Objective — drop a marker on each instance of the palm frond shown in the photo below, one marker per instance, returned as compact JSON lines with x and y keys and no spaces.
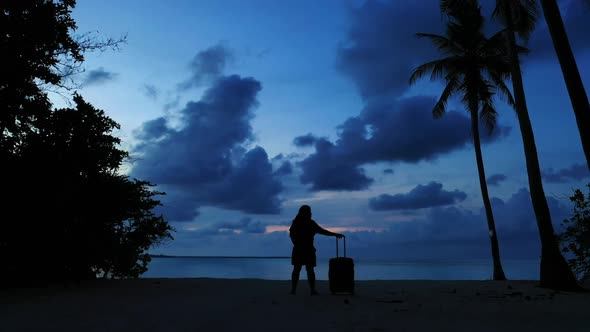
{"x":497,"y":43}
{"x":466,"y":93}
{"x":442,"y":43}
{"x":458,"y":7}
{"x":522,"y":13}
{"x":498,"y":65}
{"x":502,"y":89}
{"x":522,"y":50}
{"x":474,"y":67}
{"x":488,"y":115}
{"x":440,"y":107}
{"x":526,"y":16}
{"x":437,"y":68}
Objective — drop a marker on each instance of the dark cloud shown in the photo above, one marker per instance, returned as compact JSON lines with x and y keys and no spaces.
{"x":388,"y":171}
{"x":151,"y":91}
{"x":405,"y":132}
{"x":305,"y":140}
{"x":207,"y":66}
{"x":495,"y":179}
{"x":286,"y":168}
{"x":575,"y":17}
{"x":381,"y":48}
{"x":499,"y":132}
{"x":379,"y":53}
{"x":457,"y":233}
{"x":278,"y":157}
{"x":422,"y":196}
{"x":440,"y":233}
{"x":575,"y":172}
{"x":210,"y":241}
{"x":327,"y":169}
{"x":205,"y":162}
{"x":98,"y":76}
{"x":152,"y":130}
{"x":246,"y":225}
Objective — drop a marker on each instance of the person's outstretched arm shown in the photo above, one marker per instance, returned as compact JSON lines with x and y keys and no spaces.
{"x":326,"y":232}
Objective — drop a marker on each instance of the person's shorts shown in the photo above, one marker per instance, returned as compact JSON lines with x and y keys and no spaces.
{"x":303,"y":256}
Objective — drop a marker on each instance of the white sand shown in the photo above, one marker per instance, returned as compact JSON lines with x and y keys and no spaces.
{"x":263,"y":305}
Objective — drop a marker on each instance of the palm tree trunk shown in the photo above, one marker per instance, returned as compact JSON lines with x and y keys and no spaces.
{"x":571,"y":75}
{"x":555,"y":273}
{"x":498,"y":271}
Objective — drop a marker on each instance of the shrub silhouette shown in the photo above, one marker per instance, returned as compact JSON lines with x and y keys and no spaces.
{"x":575,"y":240}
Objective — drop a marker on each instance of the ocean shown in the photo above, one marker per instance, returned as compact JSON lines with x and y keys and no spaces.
{"x":365,"y":269}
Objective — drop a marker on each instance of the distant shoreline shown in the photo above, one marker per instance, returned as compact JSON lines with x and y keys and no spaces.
{"x":257,"y":257}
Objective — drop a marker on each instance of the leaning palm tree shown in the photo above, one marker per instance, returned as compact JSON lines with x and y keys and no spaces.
{"x":519,"y":17}
{"x":571,"y":74}
{"x":475,"y":68}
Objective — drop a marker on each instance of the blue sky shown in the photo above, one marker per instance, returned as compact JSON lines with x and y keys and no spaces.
{"x":244,"y":110}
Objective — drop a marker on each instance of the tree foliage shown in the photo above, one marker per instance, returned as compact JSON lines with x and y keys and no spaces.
{"x":475,"y":68}
{"x":40,"y":51}
{"x":68,"y":213}
{"x":575,"y":240}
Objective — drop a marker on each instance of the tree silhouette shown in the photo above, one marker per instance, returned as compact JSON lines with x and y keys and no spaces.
{"x":571,"y":74}
{"x":519,"y":17}
{"x":73,"y":212}
{"x":68,"y":213}
{"x":475,"y":69}
{"x":39,"y":51}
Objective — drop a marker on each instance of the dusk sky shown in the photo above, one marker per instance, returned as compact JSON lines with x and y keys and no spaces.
{"x":242,"y":111}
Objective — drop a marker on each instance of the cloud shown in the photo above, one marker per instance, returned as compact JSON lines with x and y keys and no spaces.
{"x":326,"y":169}
{"x":575,"y":172}
{"x":495,"y":179}
{"x":379,"y":53}
{"x":440,"y":233}
{"x":152,"y":130}
{"x":244,"y":226}
{"x":456,"y":233}
{"x":388,"y":171}
{"x":305,"y":140}
{"x":404,"y":132}
{"x":286,"y":168}
{"x":422,"y":196}
{"x":207,"y":66}
{"x":575,"y":17}
{"x":98,"y":76}
{"x":381,"y":48}
{"x":150,"y":91}
{"x":172,"y":104}
{"x":206,"y":162}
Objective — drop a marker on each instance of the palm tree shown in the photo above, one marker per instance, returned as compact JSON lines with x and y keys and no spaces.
{"x":475,"y":69}
{"x":571,"y":74}
{"x":519,"y":17}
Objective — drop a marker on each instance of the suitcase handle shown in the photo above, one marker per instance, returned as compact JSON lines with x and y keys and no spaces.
{"x":344,"y":237}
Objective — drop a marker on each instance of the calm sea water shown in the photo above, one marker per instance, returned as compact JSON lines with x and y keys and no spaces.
{"x":280,"y":269}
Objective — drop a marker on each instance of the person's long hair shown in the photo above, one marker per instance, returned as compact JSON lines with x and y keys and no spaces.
{"x":303,"y":215}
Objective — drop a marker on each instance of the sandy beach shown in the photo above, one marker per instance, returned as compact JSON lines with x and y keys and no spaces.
{"x":264,"y":305}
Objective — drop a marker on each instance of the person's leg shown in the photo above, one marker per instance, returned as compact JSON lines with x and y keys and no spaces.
{"x":295,"y":277}
{"x":311,"y":279}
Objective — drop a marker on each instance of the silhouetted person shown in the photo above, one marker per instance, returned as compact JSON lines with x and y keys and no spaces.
{"x":302,"y":232}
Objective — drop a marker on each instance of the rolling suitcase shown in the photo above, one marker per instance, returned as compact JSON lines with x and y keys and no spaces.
{"x":341,"y":273}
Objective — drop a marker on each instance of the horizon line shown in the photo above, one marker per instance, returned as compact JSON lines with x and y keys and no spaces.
{"x":191,"y":256}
